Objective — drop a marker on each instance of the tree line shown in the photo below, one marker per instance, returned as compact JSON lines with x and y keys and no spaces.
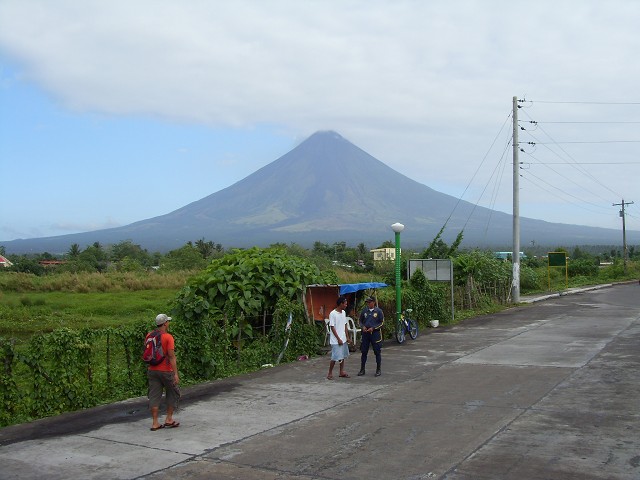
{"x":127,"y":256}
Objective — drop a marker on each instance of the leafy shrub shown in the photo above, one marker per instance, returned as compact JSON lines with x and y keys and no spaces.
{"x":219,"y":306}
{"x":428,"y":300}
{"x":530,"y":280}
{"x":583,"y":267}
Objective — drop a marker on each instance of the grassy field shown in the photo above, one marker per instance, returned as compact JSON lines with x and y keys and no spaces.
{"x":24,"y":314}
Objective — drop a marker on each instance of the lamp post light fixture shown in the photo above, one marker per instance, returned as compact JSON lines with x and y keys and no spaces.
{"x":397,"y":228}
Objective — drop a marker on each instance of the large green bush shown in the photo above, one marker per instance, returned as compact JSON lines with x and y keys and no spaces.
{"x":223,"y":305}
{"x":584,"y":267}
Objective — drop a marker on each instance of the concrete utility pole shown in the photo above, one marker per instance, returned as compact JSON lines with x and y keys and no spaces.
{"x":624,"y":234}
{"x":515,"y":257}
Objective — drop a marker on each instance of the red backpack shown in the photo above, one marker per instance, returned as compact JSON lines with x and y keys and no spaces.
{"x":153,"y":353}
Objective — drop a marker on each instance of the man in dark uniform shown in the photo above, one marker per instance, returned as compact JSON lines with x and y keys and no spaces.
{"x":371,"y":321}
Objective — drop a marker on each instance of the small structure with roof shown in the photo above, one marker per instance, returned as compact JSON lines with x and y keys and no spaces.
{"x":383,"y":254}
{"x":5,"y":262}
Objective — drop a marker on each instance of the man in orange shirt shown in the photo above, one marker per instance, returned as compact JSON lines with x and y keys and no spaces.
{"x":164,"y":376}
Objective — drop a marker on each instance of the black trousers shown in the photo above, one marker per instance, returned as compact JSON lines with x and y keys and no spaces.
{"x":373,"y":339}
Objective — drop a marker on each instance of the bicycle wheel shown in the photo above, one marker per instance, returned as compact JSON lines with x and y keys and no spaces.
{"x":413,"y":329}
{"x":400,"y":331}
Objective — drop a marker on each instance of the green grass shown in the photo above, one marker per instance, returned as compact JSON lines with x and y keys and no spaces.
{"x":24,"y":314}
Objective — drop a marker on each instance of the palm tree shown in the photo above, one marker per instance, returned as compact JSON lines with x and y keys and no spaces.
{"x":74,"y":251}
{"x":205,"y":248}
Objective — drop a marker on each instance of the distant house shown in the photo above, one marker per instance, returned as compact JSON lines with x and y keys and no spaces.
{"x":4,"y":262}
{"x":507,"y":255}
{"x":382,"y":254}
{"x":52,"y":263}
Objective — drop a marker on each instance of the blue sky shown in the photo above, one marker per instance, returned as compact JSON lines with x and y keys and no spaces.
{"x":74,"y":172}
{"x":114,"y":112}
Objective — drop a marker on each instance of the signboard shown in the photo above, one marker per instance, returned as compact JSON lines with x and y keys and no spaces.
{"x":557,"y":259}
{"x":436,"y":270}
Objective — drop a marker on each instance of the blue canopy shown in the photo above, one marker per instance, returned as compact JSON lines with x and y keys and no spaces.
{"x":356,"y":287}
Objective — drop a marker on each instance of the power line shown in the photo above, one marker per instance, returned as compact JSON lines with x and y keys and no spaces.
{"x":584,"y":103}
{"x":573,"y":161}
{"x":597,"y":141}
{"x":476,"y":173}
{"x":563,"y":192}
{"x":581,"y":122}
{"x":589,"y":163}
{"x":569,"y":180}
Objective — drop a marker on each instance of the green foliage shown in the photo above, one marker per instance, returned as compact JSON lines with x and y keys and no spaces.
{"x":128,"y":264}
{"x":202,"y":344}
{"x":216,"y":307}
{"x":67,"y":369}
{"x":127,"y":249}
{"x":245,"y":282}
{"x":87,"y":282}
{"x":616,"y":271}
{"x":484,"y":278}
{"x":303,"y":338}
{"x":25,"y":264}
{"x":74,"y":251}
{"x":187,"y":257}
{"x":61,"y":361}
{"x":9,"y":393}
{"x":439,"y":249}
{"x":206,"y":249}
{"x":429,"y":300}
{"x":23,"y":315}
{"x":584,"y":266}
{"x":530,"y":279}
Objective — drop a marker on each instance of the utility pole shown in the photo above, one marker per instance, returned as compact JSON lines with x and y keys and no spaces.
{"x":624,"y":234}
{"x":515,"y":257}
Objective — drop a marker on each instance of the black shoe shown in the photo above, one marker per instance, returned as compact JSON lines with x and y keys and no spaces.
{"x":361,"y":372}
{"x":378,"y":372}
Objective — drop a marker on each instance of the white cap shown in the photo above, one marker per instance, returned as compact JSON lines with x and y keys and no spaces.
{"x":162,"y":319}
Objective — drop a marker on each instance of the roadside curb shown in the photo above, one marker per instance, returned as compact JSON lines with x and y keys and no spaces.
{"x":571,"y":291}
{"x":563,"y":293}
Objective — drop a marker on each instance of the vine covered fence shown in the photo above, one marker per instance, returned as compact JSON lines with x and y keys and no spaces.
{"x":67,"y":370}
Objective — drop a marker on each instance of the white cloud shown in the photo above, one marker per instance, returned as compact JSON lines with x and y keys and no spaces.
{"x":423,"y":86}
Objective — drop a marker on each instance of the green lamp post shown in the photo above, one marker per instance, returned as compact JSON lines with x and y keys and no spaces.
{"x":397,"y":228}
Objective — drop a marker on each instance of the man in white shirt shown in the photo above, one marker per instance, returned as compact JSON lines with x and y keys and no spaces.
{"x":339,"y":339}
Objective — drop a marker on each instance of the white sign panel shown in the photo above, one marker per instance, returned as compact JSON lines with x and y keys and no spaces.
{"x":436,"y":270}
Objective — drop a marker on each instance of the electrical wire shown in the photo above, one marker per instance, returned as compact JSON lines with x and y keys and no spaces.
{"x":573,"y":161}
{"x":568,"y":179}
{"x":589,"y":163}
{"x":589,"y":142}
{"x":579,"y":205}
{"x":476,"y":172}
{"x":584,"y":103}
{"x":583,"y":122}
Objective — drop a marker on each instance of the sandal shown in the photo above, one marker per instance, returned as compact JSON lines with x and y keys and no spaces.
{"x":173,"y":424}
{"x":153,"y":429}
{"x":345,"y":375}
{"x":329,"y":377}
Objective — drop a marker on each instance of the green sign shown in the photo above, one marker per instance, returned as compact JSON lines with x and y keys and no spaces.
{"x":557,"y":259}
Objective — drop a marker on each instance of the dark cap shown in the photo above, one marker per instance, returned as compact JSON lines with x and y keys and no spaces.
{"x":369,"y":299}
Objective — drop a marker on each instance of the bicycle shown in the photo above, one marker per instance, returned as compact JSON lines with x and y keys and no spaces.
{"x":406,"y":325}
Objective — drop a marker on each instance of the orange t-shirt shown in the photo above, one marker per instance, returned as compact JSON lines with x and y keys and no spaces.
{"x":167,"y":344}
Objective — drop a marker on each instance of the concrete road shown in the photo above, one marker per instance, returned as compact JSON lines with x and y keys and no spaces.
{"x":547,"y":390}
